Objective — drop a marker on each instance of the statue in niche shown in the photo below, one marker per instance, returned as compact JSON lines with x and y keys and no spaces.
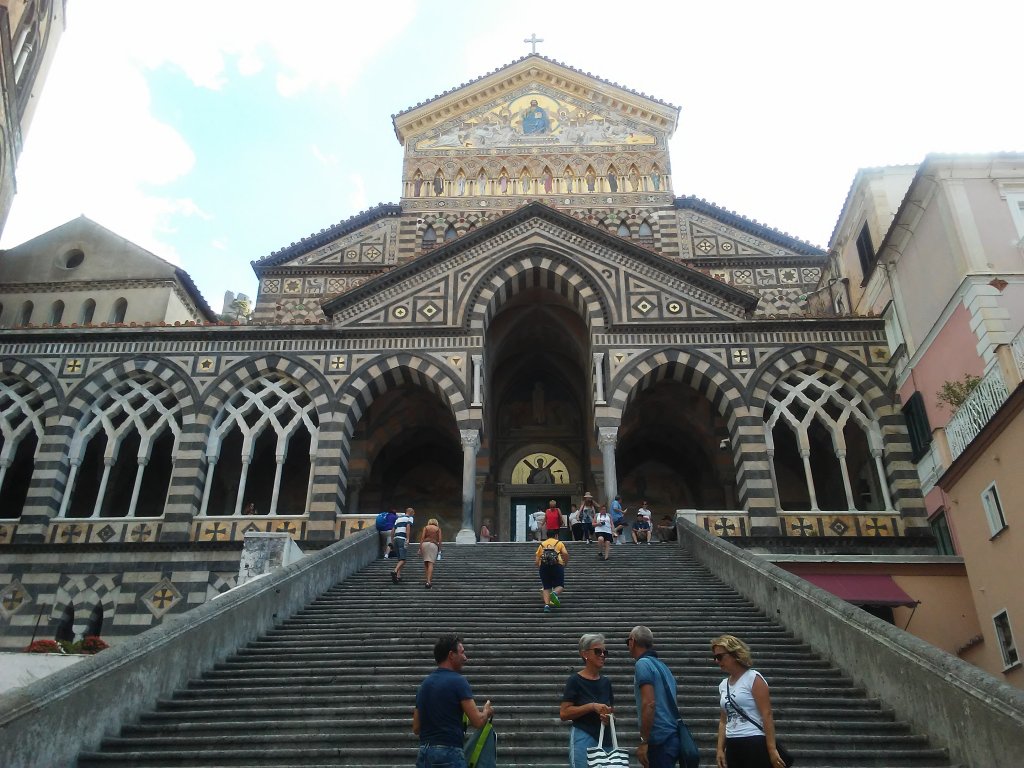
{"x":524,"y":182}
{"x":539,"y":415}
{"x":547,"y":181}
{"x":656,"y":180}
{"x":634,"y":179}
{"x":481,"y":183}
{"x":438,"y":182}
{"x":535,"y":119}
{"x":613,"y":181}
{"x":417,"y":184}
{"x":539,"y":474}
{"x":460,"y":183}
{"x":591,"y":180}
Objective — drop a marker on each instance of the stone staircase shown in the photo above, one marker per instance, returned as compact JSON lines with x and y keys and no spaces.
{"x":335,"y":685}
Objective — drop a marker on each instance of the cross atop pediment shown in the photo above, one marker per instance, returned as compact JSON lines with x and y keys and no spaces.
{"x":533,"y":40}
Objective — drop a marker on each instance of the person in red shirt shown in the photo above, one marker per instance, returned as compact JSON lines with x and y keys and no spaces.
{"x":554,"y":520}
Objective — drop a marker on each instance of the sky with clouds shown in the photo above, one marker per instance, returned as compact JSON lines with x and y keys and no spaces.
{"x":213,"y":140}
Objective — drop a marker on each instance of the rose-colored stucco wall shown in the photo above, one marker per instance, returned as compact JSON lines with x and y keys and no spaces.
{"x":993,"y":563}
{"x":952,"y":354}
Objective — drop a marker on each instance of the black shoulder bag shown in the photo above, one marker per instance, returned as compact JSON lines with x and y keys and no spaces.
{"x":689,"y":756}
{"x":787,"y":758}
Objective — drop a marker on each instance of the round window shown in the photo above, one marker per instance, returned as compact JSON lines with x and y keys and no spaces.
{"x":73,"y":258}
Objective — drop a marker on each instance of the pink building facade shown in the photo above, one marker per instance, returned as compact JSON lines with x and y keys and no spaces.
{"x":943,"y":264}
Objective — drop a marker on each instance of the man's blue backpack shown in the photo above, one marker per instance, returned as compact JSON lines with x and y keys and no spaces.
{"x":386,"y":521}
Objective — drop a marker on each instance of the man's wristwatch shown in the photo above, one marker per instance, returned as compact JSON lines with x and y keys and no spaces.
{"x":643,"y":740}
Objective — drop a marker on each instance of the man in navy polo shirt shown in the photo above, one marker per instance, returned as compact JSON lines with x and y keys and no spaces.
{"x":443,"y":697}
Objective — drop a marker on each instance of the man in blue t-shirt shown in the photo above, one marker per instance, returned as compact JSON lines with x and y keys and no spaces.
{"x":657,"y":712}
{"x":443,"y":697}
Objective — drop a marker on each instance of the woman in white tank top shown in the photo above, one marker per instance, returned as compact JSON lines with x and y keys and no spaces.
{"x":746,"y":731}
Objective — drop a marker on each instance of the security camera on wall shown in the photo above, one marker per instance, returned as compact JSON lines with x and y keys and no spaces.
{"x":724,"y":444}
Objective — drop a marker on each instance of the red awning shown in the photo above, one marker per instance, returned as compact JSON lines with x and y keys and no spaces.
{"x":862,"y":588}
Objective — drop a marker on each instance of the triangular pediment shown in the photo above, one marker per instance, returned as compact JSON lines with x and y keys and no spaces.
{"x":613,"y":280}
{"x":368,"y":239}
{"x":536,"y":101}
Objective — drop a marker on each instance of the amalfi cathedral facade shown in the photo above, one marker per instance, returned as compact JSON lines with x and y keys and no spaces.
{"x":539,"y":316}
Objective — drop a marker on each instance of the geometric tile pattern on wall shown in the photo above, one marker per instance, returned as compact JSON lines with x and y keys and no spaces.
{"x":162,"y":597}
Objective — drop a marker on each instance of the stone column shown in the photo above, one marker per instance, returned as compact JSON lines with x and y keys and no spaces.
{"x":606,"y":439}
{"x":470,"y":445}
{"x":599,"y":378}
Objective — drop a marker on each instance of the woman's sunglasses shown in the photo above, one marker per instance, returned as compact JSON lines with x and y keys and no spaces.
{"x":599,"y":651}
{"x":720,"y":656}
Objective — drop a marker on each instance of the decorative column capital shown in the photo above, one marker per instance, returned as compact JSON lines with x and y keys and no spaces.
{"x":470,"y":438}
{"x":607,"y":436}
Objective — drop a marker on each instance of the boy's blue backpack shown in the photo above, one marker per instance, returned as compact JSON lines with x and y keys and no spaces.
{"x":386,"y":521}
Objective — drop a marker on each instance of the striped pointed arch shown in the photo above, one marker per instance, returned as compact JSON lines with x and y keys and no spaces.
{"x":27,"y":397}
{"x":859,"y":380}
{"x":798,"y":385}
{"x":136,"y":404}
{"x":39,"y":379}
{"x":538,"y":269}
{"x":726,"y":395}
{"x":85,"y":395}
{"x":248,"y":371}
{"x":374,"y":379}
{"x":706,"y":375}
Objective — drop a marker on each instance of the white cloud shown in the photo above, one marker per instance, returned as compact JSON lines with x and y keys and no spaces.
{"x":318,"y":43}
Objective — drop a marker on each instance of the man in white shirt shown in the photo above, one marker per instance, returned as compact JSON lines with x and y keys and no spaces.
{"x":642,"y":526}
{"x":400,"y":537}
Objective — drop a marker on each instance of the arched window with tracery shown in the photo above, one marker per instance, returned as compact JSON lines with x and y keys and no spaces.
{"x":25,"y":314}
{"x":123,"y":450}
{"x":450,"y":233}
{"x":262,"y":449}
{"x":644,"y":233}
{"x":21,"y":430}
{"x":825,"y":445}
{"x":623,"y":230}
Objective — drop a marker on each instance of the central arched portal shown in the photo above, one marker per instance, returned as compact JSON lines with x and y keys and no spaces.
{"x":539,"y":438}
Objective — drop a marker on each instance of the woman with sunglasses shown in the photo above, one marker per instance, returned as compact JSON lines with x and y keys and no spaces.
{"x":746,"y":730}
{"x":587,"y":701}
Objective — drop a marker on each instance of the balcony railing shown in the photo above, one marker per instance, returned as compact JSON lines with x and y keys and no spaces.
{"x":981,"y":405}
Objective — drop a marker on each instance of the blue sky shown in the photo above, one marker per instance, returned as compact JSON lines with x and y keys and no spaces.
{"x":213,"y":142}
